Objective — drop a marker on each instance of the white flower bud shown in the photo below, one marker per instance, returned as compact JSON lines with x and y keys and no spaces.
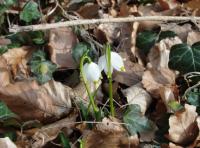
{"x":92,"y":72}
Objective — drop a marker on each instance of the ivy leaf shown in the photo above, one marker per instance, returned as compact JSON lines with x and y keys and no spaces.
{"x":78,"y":51}
{"x":185,"y":58}
{"x":30,"y":12}
{"x":146,"y":40}
{"x":175,"y":106}
{"x":37,"y":37}
{"x":42,"y":68}
{"x":166,"y":34}
{"x":5,"y":112}
{"x":135,"y":121}
{"x":193,"y":97}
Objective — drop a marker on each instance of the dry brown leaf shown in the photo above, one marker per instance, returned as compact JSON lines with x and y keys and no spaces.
{"x":17,"y":59}
{"x":133,"y":74}
{"x":193,"y":4}
{"x":137,"y":95}
{"x":4,"y":73}
{"x":167,"y":95}
{"x":89,"y":11}
{"x":193,"y":37}
{"x":153,"y":79}
{"x":183,"y":126}
{"x":172,"y":145}
{"x":6,"y":143}
{"x":168,"y":4}
{"x":110,"y":125}
{"x":50,"y":132}
{"x":109,"y":133}
{"x":61,"y":43}
{"x":27,"y":97}
{"x":159,"y":55}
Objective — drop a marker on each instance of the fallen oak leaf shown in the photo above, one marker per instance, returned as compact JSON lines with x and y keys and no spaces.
{"x":61,"y":43}
{"x":52,"y":99}
{"x":51,"y":131}
{"x":153,"y":79}
{"x":109,"y":133}
{"x":183,"y":126}
{"x":137,"y":95}
{"x":17,"y":59}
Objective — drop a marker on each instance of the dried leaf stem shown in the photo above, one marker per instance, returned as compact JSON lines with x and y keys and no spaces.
{"x":16,"y":28}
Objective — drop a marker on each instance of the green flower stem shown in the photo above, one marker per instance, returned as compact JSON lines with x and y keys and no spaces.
{"x":95,"y":108}
{"x":109,"y":75}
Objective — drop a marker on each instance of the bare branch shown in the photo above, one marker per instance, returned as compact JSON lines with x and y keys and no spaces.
{"x":99,"y":21}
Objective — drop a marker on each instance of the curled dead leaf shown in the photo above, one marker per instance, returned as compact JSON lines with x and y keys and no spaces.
{"x":61,"y":43}
{"x":51,"y":131}
{"x":153,"y":79}
{"x":28,"y":97}
{"x":137,"y":95}
{"x":167,"y":95}
{"x":4,"y":73}
{"x":109,"y":133}
{"x":159,"y":55}
{"x":183,"y":126}
{"x":17,"y":59}
{"x":193,"y":37}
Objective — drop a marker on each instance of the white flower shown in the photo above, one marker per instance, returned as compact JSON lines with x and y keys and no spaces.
{"x":116,"y":63}
{"x":92,"y":72}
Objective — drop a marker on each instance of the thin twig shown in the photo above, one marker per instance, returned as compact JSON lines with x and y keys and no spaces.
{"x":98,"y":21}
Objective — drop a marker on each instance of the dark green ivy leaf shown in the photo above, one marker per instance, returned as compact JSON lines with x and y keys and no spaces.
{"x":166,"y":34}
{"x":146,"y":40}
{"x":136,"y":122}
{"x":30,"y":12}
{"x":5,"y":112}
{"x":42,"y":68}
{"x":185,"y":58}
{"x":193,"y":97}
{"x":37,"y":37}
{"x":78,"y":51}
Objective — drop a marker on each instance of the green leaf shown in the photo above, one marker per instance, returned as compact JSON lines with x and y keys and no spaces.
{"x":37,"y":37}
{"x":175,"y":106}
{"x":135,"y":121}
{"x":30,"y":12}
{"x":193,"y":97}
{"x":166,"y":34}
{"x":78,"y":51}
{"x":3,"y":49}
{"x":42,"y":68}
{"x":146,"y":40}
{"x":5,"y":112}
{"x":64,"y":140}
{"x":185,"y":58}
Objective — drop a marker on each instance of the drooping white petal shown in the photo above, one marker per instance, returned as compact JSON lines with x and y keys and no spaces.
{"x":117,"y":61}
{"x":92,"y":72}
{"x":102,"y":62}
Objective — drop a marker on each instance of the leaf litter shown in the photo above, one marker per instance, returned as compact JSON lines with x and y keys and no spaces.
{"x":156,"y":99}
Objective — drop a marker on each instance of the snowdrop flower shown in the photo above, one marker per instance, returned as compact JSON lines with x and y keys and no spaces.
{"x":116,"y":63}
{"x":92,"y":72}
